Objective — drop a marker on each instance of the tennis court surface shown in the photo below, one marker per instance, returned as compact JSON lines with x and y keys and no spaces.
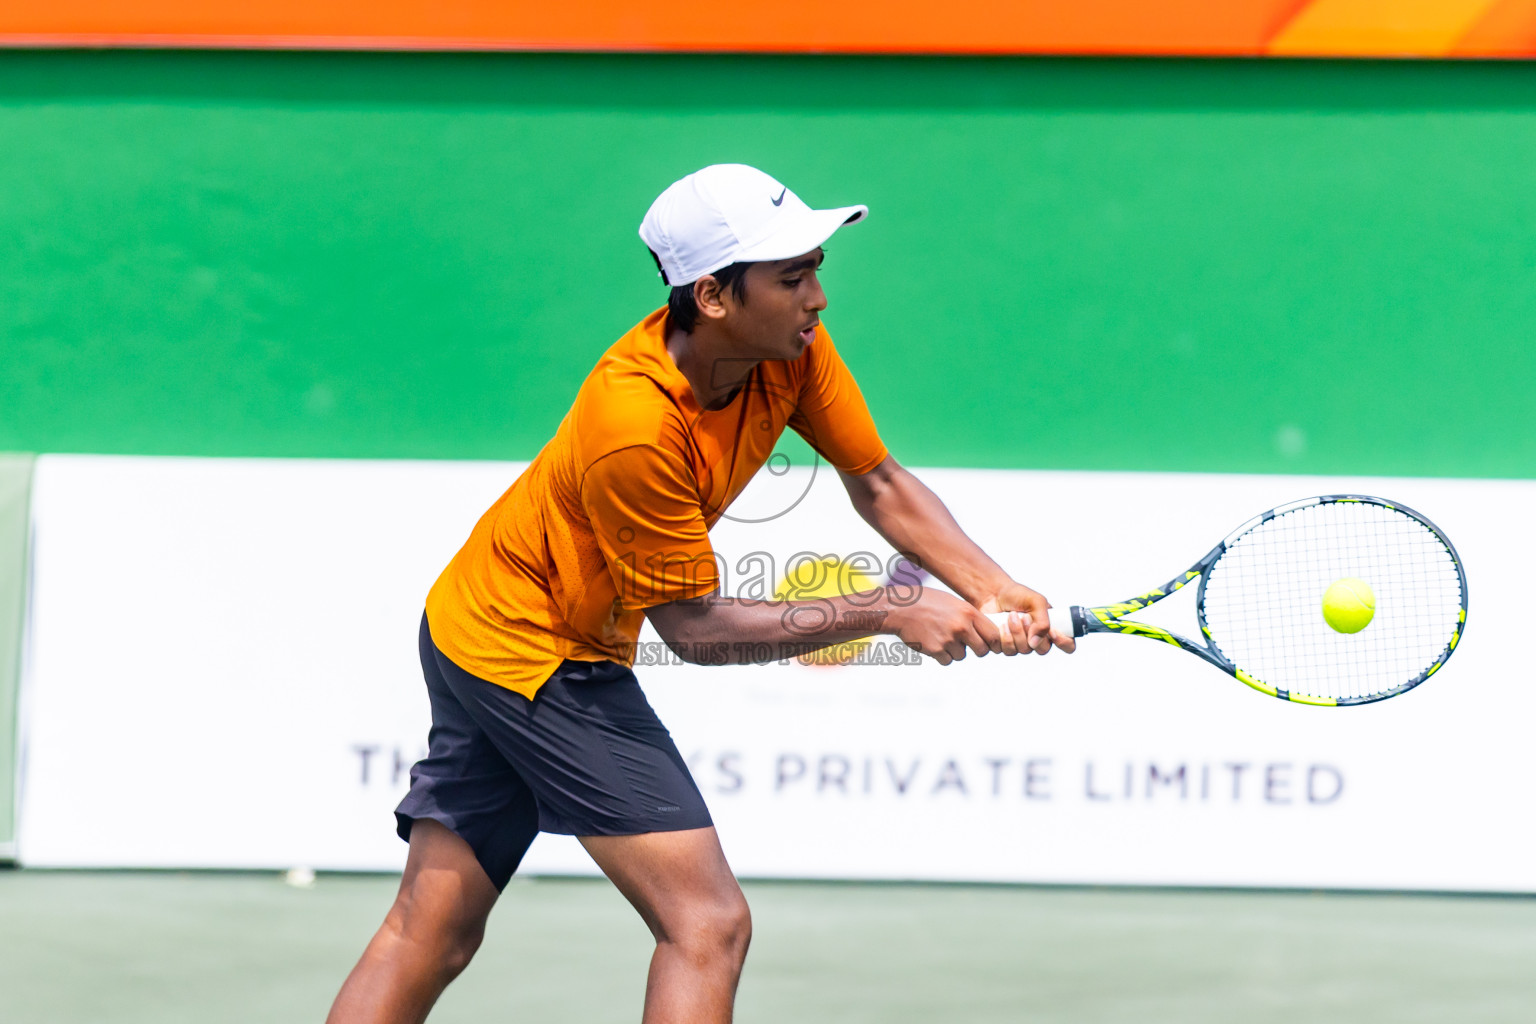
{"x":166,"y":947}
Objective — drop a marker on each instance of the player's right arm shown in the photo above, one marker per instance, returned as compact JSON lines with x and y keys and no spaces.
{"x":724,"y":630}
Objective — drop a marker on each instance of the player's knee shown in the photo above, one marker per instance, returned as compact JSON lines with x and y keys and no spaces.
{"x":719,"y":932}
{"x":741,"y":931}
{"x":458,"y":951}
{"x":436,"y":933}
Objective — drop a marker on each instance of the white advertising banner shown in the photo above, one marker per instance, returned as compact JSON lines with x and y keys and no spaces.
{"x":222,"y":672}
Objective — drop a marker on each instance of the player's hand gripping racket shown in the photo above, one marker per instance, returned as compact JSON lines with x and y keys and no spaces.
{"x":1340,"y":599}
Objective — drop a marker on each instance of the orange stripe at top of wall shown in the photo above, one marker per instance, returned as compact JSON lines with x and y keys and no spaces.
{"x":1379,"y":28}
{"x":1211,"y":27}
{"x":1507,"y":30}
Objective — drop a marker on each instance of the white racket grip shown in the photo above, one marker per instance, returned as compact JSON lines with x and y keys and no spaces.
{"x":1061,"y":620}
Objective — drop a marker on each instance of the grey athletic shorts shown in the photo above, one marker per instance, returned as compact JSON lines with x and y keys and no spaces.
{"x":586,"y":756}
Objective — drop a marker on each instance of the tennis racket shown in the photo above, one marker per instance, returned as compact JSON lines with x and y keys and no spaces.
{"x":1260,"y":602}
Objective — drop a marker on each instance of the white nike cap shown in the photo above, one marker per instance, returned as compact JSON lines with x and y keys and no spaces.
{"x":732,"y":213}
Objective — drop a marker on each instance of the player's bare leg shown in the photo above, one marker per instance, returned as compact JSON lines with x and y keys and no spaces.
{"x":428,"y":936}
{"x":684,"y":889}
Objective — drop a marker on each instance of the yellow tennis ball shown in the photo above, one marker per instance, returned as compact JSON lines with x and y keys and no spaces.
{"x":826,"y":577}
{"x":1349,"y":605}
{"x":823,"y":577}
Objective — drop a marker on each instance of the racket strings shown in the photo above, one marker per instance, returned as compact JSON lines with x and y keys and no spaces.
{"x":1263,"y":600}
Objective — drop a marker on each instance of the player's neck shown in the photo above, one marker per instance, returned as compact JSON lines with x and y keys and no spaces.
{"x":706,"y":358}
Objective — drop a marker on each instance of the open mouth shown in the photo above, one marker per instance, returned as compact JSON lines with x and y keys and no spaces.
{"x":808,"y":334}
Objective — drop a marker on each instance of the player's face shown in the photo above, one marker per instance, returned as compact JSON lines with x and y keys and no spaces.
{"x":783,"y":307}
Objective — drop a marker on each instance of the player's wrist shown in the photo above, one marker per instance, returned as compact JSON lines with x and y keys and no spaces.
{"x":905,"y":615}
{"x":999,"y":594}
{"x":896,"y":617}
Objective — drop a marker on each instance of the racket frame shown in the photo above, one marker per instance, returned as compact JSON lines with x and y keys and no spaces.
{"x":1110,"y":618}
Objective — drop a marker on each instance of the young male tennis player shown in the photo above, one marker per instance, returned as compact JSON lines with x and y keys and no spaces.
{"x":537,"y":721}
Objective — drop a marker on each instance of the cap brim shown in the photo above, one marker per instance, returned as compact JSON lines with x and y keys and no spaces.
{"x":802,"y":235}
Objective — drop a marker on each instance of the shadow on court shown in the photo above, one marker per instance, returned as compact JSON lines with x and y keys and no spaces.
{"x":169,"y":948}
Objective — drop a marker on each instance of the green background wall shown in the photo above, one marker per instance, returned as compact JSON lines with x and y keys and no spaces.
{"x":1183,"y":265}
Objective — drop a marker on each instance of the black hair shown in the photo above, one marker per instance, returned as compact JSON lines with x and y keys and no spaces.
{"x":681,"y":306}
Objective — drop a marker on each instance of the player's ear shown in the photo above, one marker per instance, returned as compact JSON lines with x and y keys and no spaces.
{"x":709,"y":297}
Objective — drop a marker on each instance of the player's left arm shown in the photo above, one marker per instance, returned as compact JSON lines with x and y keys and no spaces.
{"x":916,"y":522}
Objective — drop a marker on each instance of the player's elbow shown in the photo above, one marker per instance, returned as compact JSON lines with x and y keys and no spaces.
{"x":689,"y":651}
{"x":688,"y":629}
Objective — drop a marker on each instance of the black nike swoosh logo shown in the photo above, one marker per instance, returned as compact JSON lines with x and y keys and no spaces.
{"x":779,"y":201}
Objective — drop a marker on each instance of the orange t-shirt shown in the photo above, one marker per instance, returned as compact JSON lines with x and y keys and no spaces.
{"x":613,"y":516}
